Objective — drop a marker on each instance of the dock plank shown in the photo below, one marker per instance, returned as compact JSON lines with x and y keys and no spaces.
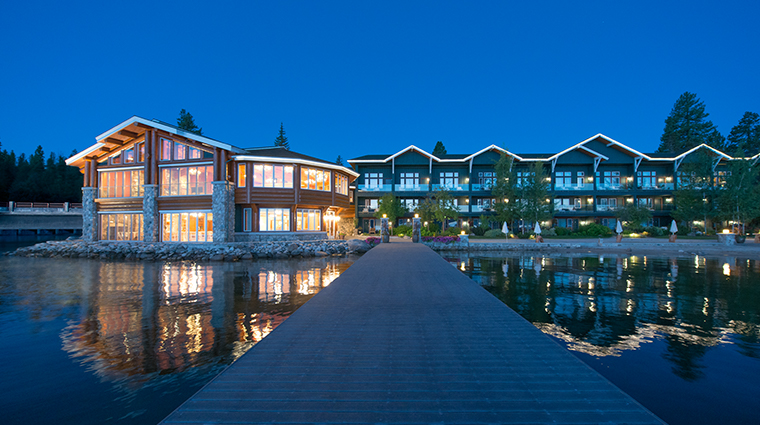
{"x":403,"y":337}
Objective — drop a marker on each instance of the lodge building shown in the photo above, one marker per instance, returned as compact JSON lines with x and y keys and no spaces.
{"x":589,"y":180}
{"x":146,"y":180}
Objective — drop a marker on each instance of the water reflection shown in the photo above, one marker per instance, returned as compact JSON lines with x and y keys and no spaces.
{"x":604,"y":305}
{"x":139,"y":326}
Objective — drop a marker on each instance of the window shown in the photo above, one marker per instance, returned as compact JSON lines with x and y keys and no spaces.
{"x":609,"y":179}
{"x":645,"y":202}
{"x":486,"y":203}
{"x":720,"y":178}
{"x":647,"y":179}
{"x":273,"y":176}
{"x":341,"y":184}
{"x":310,"y":220}
{"x":410,"y":180}
{"x":607,"y":204}
{"x":141,"y":150}
{"x":524,"y":178}
{"x":566,"y":204}
{"x":181,"y":151}
{"x":449,"y":179}
{"x":274,"y":220}
{"x":247,"y":220}
{"x":197,"y":226}
{"x":371,"y":180}
{"x":581,"y":176}
{"x":563,"y":178}
{"x":121,"y":227}
{"x":121,"y":184}
{"x":370,"y":205}
{"x":487,"y":179}
{"x":241,"y":175}
{"x":116,"y":159}
{"x":166,"y":150}
{"x":410,"y":204}
{"x":315,"y":179}
{"x":128,"y":155}
{"x":187,"y":181}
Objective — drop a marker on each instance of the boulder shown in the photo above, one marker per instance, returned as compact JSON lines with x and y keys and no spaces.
{"x":358,"y":245}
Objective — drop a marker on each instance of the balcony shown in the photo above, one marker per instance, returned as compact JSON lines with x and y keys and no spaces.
{"x":412,"y":188}
{"x":476,"y":187}
{"x":660,"y":186}
{"x":573,"y":208}
{"x":363,"y":209}
{"x":479,"y":208}
{"x":464,"y":208}
{"x":622,"y":185}
{"x":601,"y":208}
{"x":375,"y":188}
{"x":450,"y":187}
{"x":585,"y":186}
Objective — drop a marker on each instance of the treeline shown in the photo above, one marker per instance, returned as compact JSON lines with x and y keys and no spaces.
{"x":35,"y":178}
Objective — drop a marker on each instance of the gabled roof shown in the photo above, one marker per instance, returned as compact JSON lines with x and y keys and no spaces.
{"x":490,"y":148}
{"x":703,"y":145}
{"x":579,"y":146}
{"x":103,"y":139}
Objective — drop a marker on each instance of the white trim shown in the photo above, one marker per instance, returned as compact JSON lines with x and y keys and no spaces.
{"x":84,"y":153}
{"x":636,"y":163}
{"x":411,"y":147}
{"x":295,"y":161}
{"x":491,"y":148}
{"x":136,"y":167}
{"x":185,"y":164}
{"x":700,"y":146}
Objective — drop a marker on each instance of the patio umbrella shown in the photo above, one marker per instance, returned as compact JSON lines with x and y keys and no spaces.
{"x":673,"y":227}
{"x":537,"y":230}
{"x":505,"y":230}
{"x":619,"y":228}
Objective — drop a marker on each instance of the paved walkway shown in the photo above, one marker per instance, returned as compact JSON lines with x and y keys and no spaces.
{"x":403,"y":337}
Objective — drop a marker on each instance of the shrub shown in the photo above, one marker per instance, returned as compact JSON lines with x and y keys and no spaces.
{"x":451,"y":231}
{"x":402,"y":230}
{"x":494,"y":233}
{"x":594,"y":229}
{"x":524,"y":235}
{"x":434,"y":228}
{"x":478,"y":231}
{"x":656,"y":231}
{"x":549,"y":232}
{"x":426,"y":232}
{"x":440,"y":239}
{"x":562,"y":231}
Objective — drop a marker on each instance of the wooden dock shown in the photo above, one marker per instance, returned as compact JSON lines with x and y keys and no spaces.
{"x":403,"y":337}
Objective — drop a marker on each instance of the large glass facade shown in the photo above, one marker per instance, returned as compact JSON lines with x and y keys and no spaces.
{"x":184,"y":181}
{"x":341,"y":184}
{"x":171,"y":150}
{"x":121,"y":184}
{"x":308,"y":220}
{"x":274,"y":220}
{"x":121,"y":227}
{"x":196,"y":226}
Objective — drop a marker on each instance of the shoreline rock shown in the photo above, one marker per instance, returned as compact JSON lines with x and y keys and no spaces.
{"x":146,"y":251}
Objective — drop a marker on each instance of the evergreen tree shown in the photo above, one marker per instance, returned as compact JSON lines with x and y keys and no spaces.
{"x":186,"y":122}
{"x":439,"y":149}
{"x":634,"y":215}
{"x":745,"y":135}
{"x":694,"y":194}
{"x":281,"y":140}
{"x":504,"y":190}
{"x":687,"y":125}
{"x":533,"y":191}
{"x":339,"y":161}
{"x":739,"y":199}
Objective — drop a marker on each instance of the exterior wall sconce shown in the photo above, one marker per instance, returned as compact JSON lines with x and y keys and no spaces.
{"x":629,"y":200}
{"x":385,"y":215}
{"x":590,"y":200}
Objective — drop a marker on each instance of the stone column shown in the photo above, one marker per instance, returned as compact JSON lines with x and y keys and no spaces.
{"x":89,"y":214}
{"x":151,"y":218}
{"x":223,"y":208}
{"x":416,"y":229}
{"x":384,"y":231}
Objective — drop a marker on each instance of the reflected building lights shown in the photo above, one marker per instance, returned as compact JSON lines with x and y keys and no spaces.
{"x":726,"y":269}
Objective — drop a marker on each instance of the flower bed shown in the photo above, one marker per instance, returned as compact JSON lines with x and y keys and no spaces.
{"x":440,"y":239}
{"x":373,"y":241}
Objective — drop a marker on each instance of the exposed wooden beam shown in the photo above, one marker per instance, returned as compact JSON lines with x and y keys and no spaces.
{"x":141,"y":125}
{"x":114,"y":141}
{"x":130,"y":134}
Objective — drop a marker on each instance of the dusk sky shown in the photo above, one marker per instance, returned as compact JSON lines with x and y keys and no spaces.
{"x":357,"y":77}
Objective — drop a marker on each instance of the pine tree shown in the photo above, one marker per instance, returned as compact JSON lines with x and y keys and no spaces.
{"x":281,"y":140}
{"x":339,"y":161}
{"x":439,"y":149}
{"x":745,"y":135}
{"x":687,"y":125}
{"x":186,"y":122}
{"x":504,"y":190}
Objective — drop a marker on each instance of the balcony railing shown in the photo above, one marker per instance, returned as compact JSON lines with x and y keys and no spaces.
{"x":412,"y":188}
{"x":375,"y":187}
{"x":572,"y":208}
{"x":463,"y":208}
{"x":608,"y":207}
{"x":450,"y":187}
{"x":623,"y":185}
{"x":479,"y":208}
{"x":477,"y":187}
{"x":585,"y":186}
{"x":659,"y":186}
{"x":366,"y":210}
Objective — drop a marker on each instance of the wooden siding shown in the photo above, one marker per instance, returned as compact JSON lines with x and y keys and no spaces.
{"x":170,"y":203}
{"x":315,"y":197}
{"x":119,"y":204}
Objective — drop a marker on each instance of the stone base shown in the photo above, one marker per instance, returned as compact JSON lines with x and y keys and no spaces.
{"x":727,"y":238}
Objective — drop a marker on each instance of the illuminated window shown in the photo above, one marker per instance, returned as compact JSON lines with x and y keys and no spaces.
{"x":449,"y":179}
{"x":273,"y":176}
{"x":166,"y":150}
{"x":274,"y":220}
{"x":341,"y":184}
{"x":121,"y":227}
{"x":187,"y":181}
{"x":188,"y":227}
{"x":315,"y":179}
{"x":487,"y":179}
{"x":128,"y":155}
{"x":373,"y":180}
{"x":647,"y":179}
{"x":181,"y":151}
{"x":241,"y":175}
{"x":121,"y":184}
{"x":308,"y":220}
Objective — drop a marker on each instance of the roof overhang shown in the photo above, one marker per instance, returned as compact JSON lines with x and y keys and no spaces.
{"x":490,"y":148}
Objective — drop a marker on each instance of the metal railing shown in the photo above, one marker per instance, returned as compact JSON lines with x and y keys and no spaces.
{"x":450,"y":187}
{"x":412,"y":187}
{"x":375,"y":187}
{"x":12,"y":206}
{"x":585,"y":186}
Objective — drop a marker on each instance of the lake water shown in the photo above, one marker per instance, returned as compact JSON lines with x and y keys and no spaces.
{"x":681,"y":335}
{"x":92,"y":342}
